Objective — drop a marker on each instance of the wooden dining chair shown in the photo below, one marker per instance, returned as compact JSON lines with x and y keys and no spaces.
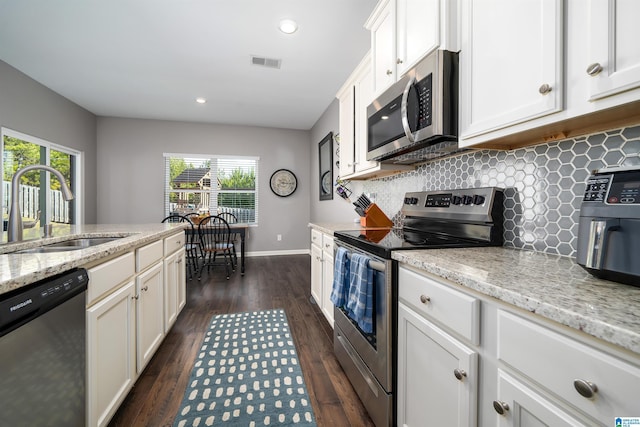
{"x":215,"y":238}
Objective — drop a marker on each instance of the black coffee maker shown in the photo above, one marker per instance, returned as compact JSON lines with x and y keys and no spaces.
{"x":609,"y":227}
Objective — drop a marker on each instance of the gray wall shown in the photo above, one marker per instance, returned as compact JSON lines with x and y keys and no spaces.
{"x":27,"y":106}
{"x":130,"y":173}
{"x":337,"y":209}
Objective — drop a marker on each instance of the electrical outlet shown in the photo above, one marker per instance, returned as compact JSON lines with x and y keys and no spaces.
{"x":279,"y":237}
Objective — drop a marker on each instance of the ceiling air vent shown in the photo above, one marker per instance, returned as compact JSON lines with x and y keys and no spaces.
{"x":266,"y":62}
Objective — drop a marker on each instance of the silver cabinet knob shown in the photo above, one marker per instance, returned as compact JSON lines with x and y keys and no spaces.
{"x":500,"y":407}
{"x":459,"y":373}
{"x":544,"y":89}
{"x":135,"y":296}
{"x":398,"y":61}
{"x":585,"y":388}
{"x":424,"y":299}
{"x":594,"y":69}
{"x":389,"y":72}
{"x":146,"y":288}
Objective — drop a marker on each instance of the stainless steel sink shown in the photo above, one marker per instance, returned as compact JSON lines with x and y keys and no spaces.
{"x":68,"y":245}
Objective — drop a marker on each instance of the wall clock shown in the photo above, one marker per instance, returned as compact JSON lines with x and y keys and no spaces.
{"x":283,"y":182}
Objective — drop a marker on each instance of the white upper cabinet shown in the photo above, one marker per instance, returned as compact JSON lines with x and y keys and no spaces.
{"x":404,"y":31}
{"x":511,"y":63}
{"x":540,"y":70}
{"x":613,"y":47}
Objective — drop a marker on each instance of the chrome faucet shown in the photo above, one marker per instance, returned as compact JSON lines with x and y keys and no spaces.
{"x":15,"y":215}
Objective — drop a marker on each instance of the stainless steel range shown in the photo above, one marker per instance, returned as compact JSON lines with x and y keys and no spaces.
{"x":433,"y":219}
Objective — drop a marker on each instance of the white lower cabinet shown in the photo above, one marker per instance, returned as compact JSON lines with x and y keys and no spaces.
{"x":111,"y":350}
{"x":127,"y":319}
{"x":174,"y":287}
{"x":523,"y":407}
{"x":322,"y":272}
{"x":524,"y":370}
{"x":149,"y":314}
{"x":437,"y":375}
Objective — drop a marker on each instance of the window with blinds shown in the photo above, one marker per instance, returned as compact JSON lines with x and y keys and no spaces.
{"x":205,"y":184}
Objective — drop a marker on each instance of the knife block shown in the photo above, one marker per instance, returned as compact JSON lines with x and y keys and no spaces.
{"x":374,"y":217}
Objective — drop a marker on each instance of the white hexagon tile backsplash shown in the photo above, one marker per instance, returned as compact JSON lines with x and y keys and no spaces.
{"x":543,"y":184}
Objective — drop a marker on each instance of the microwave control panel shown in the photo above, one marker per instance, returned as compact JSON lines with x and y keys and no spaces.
{"x":614,"y":189}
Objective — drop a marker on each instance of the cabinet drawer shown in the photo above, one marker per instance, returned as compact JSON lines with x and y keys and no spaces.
{"x":556,"y":361}
{"x":106,"y":277}
{"x":448,"y":307}
{"x":148,"y":255}
{"x":327,"y":243}
{"x":316,"y":237}
{"x":173,"y":243}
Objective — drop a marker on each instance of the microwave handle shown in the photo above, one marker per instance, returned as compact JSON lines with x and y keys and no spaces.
{"x":598,"y":238}
{"x":403,"y":110}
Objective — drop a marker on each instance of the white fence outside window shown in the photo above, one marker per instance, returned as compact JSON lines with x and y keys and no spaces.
{"x":30,"y":203}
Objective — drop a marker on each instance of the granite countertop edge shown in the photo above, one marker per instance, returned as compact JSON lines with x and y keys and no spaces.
{"x":18,"y":270}
{"x":550,"y":286}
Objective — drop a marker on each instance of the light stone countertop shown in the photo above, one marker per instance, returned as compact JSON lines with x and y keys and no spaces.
{"x":17,"y":270}
{"x":550,"y":286}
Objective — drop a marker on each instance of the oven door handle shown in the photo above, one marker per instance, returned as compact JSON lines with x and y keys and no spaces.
{"x":404,"y":110}
{"x":375,"y":265}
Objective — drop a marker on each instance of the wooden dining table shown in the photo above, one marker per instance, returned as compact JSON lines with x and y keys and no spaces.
{"x":239,"y":229}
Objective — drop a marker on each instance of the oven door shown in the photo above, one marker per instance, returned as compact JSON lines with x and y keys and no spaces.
{"x":368,"y":359}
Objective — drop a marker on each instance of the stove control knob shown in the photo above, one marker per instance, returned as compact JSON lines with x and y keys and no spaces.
{"x":478,"y":199}
{"x":456,"y":200}
{"x":407,"y":200}
{"x":467,"y":200}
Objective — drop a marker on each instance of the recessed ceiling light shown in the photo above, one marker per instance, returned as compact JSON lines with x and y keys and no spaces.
{"x":288,"y":26}
{"x":201,"y":100}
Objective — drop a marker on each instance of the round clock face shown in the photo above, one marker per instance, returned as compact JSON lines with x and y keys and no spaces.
{"x":283,"y":182}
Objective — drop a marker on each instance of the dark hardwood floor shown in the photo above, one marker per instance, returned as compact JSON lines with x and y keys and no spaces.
{"x":269,"y":282}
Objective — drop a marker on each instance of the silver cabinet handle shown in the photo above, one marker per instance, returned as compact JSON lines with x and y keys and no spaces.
{"x":146,"y":288}
{"x":598,"y":239}
{"x":389,"y":72}
{"x":544,"y":89}
{"x":594,"y":69}
{"x":136,"y":296}
{"x":459,"y":373}
{"x":585,"y":388}
{"x":398,"y":61}
{"x":424,"y":299}
{"x":500,"y":407}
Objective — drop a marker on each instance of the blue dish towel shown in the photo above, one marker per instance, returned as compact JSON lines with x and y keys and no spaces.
{"x":360,"y":299}
{"x":340,"y":288}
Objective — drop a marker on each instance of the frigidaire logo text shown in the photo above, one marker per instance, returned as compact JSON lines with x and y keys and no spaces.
{"x":22,"y":304}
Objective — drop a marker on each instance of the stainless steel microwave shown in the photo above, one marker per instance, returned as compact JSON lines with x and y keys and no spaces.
{"x":417,"y":117}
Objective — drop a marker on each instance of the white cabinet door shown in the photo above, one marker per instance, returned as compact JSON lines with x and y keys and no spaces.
{"x":149,"y":313}
{"x":316,"y":274}
{"x":511,"y":63}
{"x":327,"y":286}
{"x":383,"y":44}
{"x":429,"y":364}
{"x":346,"y":99}
{"x":111,"y":359}
{"x":418,"y":31}
{"x":182,"y":280}
{"x":363,"y":97}
{"x":520,"y":406}
{"x":174,"y":288}
{"x":614,"y":62}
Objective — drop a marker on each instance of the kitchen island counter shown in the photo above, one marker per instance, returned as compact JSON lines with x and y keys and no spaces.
{"x":17,"y":270}
{"x":550,"y":286}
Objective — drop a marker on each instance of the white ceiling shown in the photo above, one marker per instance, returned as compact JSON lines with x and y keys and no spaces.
{"x":153,"y":58}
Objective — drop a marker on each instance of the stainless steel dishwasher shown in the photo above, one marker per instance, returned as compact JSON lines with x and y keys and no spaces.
{"x":43,"y":352}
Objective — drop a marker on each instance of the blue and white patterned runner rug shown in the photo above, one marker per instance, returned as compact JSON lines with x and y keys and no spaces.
{"x":246,"y":374}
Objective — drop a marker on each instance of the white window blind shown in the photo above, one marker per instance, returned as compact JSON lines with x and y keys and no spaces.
{"x":212,"y":184}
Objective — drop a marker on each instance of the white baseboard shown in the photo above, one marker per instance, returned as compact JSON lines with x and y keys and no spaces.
{"x":276,"y":253}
